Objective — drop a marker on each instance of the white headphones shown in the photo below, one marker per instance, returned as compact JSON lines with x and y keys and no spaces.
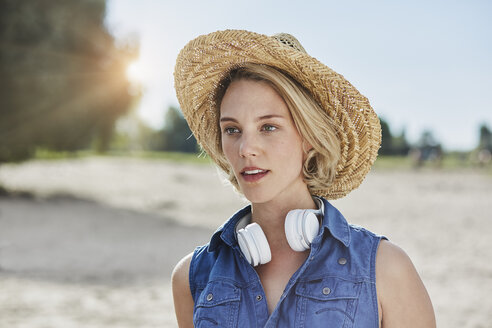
{"x":301,"y":226}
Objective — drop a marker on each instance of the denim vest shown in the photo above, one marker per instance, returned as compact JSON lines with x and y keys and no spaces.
{"x":335,"y":287}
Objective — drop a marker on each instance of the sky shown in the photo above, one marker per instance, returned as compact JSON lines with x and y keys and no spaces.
{"x":423,"y":65}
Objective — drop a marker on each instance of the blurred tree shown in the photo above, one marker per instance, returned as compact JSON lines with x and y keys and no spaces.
{"x":176,"y":134}
{"x":484,"y":149}
{"x":62,"y":78}
{"x":485,"y":138}
{"x":400,"y":144}
{"x":132,"y":134}
{"x":386,"y":138}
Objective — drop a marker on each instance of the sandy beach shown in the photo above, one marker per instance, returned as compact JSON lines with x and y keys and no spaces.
{"x":92,"y":242}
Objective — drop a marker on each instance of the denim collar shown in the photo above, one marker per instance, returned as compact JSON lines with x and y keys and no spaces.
{"x":333,"y":221}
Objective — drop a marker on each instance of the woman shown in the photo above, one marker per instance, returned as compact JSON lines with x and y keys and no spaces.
{"x":288,"y":130}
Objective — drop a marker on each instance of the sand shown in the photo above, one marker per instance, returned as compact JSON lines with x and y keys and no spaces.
{"x":92,"y":242}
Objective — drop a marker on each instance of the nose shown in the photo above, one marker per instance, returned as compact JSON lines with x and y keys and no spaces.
{"x":248,"y":146}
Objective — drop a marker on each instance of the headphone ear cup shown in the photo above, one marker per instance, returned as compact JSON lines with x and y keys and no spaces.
{"x":310,"y":227}
{"x":292,"y":234}
{"x":254,"y":245}
{"x":301,"y":227}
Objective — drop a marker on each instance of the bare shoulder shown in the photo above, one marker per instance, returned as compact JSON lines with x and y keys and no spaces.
{"x":393,"y":259}
{"x":181,"y":271}
{"x":402,"y":297}
{"x":183,"y":301}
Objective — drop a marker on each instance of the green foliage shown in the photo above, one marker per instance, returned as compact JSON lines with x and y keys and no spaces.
{"x":385,"y":138}
{"x":176,"y":134}
{"x":392,"y":145}
{"x":453,"y":161}
{"x":132,"y":135}
{"x":392,"y":163}
{"x":485,"y":138}
{"x":178,"y":157}
{"x":62,"y":79}
{"x":47,"y":154}
{"x":400,"y":145}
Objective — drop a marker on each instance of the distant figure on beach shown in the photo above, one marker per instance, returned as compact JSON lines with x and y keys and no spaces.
{"x":427,"y":150}
{"x":291,"y":134}
{"x":484,"y":157}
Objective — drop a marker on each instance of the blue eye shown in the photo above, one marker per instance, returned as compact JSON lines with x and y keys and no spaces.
{"x":269,"y":128}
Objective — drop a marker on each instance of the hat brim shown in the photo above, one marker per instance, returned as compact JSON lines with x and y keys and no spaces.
{"x":204,"y":62}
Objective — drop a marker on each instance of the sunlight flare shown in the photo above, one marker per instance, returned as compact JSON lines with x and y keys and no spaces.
{"x":137,"y":73}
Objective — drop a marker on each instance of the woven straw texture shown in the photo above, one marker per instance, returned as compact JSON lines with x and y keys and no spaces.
{"x":206,"y":60}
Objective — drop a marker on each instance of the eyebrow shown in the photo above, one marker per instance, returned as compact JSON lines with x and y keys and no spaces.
{"x":261,"y":118}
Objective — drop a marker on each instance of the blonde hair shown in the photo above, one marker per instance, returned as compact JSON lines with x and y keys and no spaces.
{"x":311,"y":120}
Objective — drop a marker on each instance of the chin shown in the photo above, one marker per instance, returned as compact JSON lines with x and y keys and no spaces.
{"x":258,"y":196}
{"x":254,"y":196}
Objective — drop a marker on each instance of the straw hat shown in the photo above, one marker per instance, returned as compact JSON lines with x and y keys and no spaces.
{"x":204,"y":62}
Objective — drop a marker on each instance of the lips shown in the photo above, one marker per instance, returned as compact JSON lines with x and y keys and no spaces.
{"x":253,"y":174}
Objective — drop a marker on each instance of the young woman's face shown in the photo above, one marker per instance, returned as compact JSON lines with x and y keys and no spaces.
{"x":261,"y":142}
